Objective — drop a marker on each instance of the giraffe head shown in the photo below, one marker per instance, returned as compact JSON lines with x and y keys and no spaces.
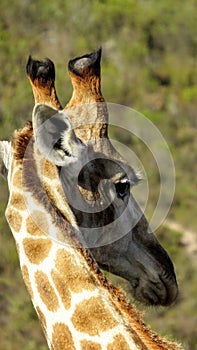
{"x":97,"y":183}
{"x":97,"y":187}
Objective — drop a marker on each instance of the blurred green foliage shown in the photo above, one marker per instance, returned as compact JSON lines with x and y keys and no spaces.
{"x":150,"y":64}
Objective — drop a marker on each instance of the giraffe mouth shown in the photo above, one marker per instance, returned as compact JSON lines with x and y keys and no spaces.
{"x":151,"y":278}
{"x":171,"y":287}
{"x":161,"y":292}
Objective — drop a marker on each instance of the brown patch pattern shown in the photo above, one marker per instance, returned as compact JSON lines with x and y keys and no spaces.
{"x":89,"y":345}
{"x":37,"y":250}
{"x":26,"y":278}
{"x":76,"y":277}
{"x":17,"y":179}
{"x":59,"y":190}
{"x":62,"y":288}
{"x":92,"y":317}
{"x":31,"y":226}
{"x":18,"y":201}
{"x":46,"y":291}
{"x":62,"y":337}
{"x":14,"y":219}
{"x":49,"y":169}
{"x":118,"y":343}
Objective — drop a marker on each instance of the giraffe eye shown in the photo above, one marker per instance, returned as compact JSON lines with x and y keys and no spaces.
{"x":122,"y":188}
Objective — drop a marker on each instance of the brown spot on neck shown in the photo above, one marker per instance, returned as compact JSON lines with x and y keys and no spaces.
{"x":17,"y":179}
{"x":62,"y":338}
{"x":75,"y":274}
{"x":89,"y":345}
{"x":119,"y":343}
{"x":46,"y":291}
{"x":49,"y":169}
{"x":92,"y":317}
{"x":63,"y":287}
{"x":37,"y":250}
{"x":17,"y":200}
{"x":42,"y":320}
{"x":14,"y":219}
{"x":26,"y":278}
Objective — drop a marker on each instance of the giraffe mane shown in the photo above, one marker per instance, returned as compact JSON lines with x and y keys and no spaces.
{"x":21,"y":139}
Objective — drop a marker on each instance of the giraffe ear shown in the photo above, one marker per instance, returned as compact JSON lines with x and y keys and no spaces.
{"x":55,"y":136}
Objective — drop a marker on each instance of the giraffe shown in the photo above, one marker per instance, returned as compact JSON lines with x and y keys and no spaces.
{"x":76,"y":304}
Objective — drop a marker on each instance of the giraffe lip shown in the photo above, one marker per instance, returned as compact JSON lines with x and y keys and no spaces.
{"x":171,"y":290}
{"x":159,"y":292}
